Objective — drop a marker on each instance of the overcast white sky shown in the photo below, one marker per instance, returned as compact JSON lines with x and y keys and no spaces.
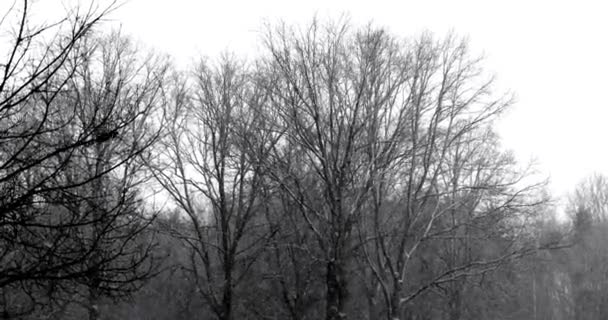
{"x":552,"y":54}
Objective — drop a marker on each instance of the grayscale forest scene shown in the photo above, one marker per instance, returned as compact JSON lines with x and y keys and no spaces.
{"x":341,"y":170}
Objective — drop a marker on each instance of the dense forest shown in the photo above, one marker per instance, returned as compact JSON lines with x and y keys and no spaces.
{"x":343,"y":173}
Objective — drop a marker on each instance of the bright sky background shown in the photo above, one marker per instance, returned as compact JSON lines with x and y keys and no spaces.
{"x":552,"y":54}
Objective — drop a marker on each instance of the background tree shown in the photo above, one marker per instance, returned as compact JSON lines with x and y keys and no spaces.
{"x":588,"y":257}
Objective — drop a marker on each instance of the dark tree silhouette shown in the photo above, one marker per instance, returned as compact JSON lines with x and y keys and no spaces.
{"x":77,"y":112}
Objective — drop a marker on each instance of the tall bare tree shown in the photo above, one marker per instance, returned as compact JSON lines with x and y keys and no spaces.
{"x":335,"y":94}
{"x":210,"y":167}
{"x":383,"y":141}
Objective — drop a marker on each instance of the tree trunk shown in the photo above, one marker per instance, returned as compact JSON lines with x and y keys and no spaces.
{"x":226,"y":311}
{"x":394,"y":311}
{"x":93,"y":309}
{"x":227,"y":305}
{"x":336,"y":291}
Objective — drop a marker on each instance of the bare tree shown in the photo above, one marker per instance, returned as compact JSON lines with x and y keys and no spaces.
{"x":75,"y":117}
{"x":450,"y":184}
{"x":115,"y":91}
{"x":335,"y":96}
{"x":386,"y":146}
{"x":210,"y":167}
